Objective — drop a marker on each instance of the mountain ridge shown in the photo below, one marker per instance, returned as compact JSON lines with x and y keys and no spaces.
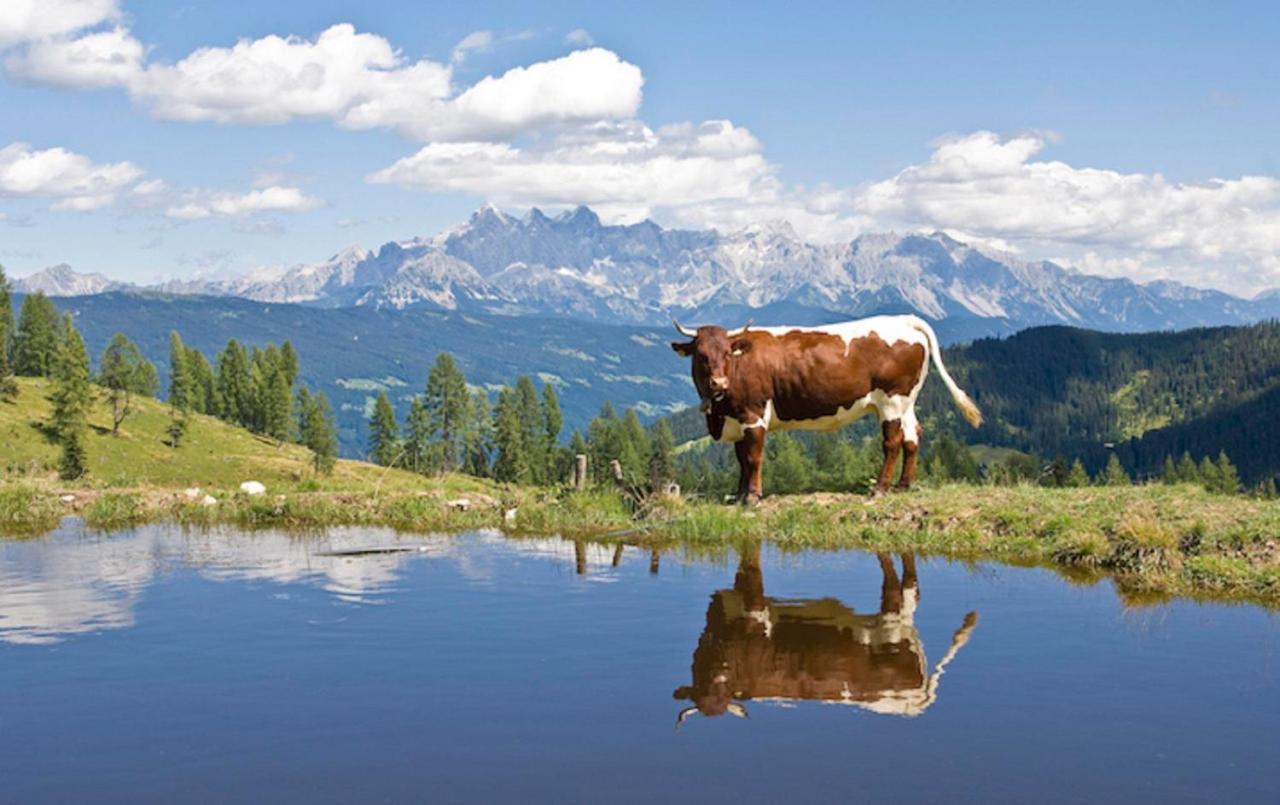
{"x":574,"y":265}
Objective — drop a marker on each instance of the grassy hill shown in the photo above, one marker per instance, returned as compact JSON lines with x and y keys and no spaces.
{"x":213,"y":454}
{"x":353,"y":353}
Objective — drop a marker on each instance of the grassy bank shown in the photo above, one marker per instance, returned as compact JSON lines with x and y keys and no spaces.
{"x":1155,"y":540}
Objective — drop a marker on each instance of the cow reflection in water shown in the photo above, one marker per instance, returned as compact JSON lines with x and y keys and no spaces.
{"x":773,"y":649}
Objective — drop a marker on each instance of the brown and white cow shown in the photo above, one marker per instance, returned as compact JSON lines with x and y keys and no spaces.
{"x":758,"y":379}
{"x":759,"y":648}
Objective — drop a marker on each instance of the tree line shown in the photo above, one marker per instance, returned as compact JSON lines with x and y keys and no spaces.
{"x":453,"y":427}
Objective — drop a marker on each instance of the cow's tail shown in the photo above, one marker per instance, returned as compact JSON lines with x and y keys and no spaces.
{"x":970,"y":411}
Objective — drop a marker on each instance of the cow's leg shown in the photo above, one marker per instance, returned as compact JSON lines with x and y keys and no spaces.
{"x":890,"y":588}
{"x":910,"y":447}
{"x":753,"y":468}
{"x":744,"y":469}
{"x":892,"y":432}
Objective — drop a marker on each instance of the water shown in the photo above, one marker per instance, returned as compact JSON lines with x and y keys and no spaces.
{"x":156,"y":665}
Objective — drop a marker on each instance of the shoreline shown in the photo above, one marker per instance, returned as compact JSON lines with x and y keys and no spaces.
{"x":1154,"y":541}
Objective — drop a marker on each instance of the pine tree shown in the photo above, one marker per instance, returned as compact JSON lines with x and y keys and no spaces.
{"x":234,"y":385}
{"x":318,"y":432}
{"x":181,"y":383}
{"x":1228,"y":477}
{"x":479,"y":442}
{"x":71,"y":398}
{"x":418,"y":448}
{"x":790,"y":469}
{"x":1114,"y":473}
{"x":124,"y":372}
{"x":1188,"y":473}
{"x":1169,"y":471}
{"x":204,"y":395}
{"x":1077,"y":477}
{"x":289,"y":363}
{"x":532,"y":428}
{"x":278,"y":404}
{"x":35,"y":343}
{"x":448,"y":403}
{"x":7,"y":324}
{"x":384,"y":446}
{"x":511,"y":462}
{"x":8,"y":385}
{"x":553,"y":423}
{"x":1210,"y":479}
{"x":661,"y":464}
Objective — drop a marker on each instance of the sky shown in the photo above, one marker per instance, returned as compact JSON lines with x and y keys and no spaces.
{"x":157,"y":140}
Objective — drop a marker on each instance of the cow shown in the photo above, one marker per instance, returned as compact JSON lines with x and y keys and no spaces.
{"x":757,"y":379}
{"x":759,"y":648}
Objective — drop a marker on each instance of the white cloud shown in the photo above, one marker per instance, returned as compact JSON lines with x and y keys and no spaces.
{"x":357,"y":79}
{"x":474,"y":41}
{"x":75,"y":181}
{"x":1220,"y":232}
{"x":202,"y":204}
{"x":579,"y":37}
{"x":623,"y":168}
{"x":24,"y":20}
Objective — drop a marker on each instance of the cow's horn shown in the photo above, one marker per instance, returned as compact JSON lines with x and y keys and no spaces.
{"x":737,"y":710}
{"x":684,"y":331}
{"x":683,"y":714}
{"x":745,"y":327}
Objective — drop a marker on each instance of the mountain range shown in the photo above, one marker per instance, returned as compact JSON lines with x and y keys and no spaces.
{"x":575,"y":266}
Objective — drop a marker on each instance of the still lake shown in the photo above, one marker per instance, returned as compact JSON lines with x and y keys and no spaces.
{"x":158,"y":664}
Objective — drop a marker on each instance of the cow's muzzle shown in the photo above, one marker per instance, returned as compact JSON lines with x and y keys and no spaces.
{"x":719,"y":385}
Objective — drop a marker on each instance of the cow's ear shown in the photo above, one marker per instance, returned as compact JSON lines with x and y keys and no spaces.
{"x":683,"y":348}
{"x":683,"y":692}
{"x":741,"y":346}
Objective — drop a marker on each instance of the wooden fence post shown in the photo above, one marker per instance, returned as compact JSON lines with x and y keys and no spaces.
{"x":579,"y":472}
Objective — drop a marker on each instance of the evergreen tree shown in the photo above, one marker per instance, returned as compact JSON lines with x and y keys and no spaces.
{"x":511,"y":462}
{"x":578,"y":446}
{"x":319,"y":434}
{"x":204,"y":394}
{"x":479,"y":442}
{"x":1228,"y":481}
{"x":278,"y":413}
{"x":1114,"y":473}
{"x":234,"y":385}
{"x":384,"y":443}
{"x":35,"y":344}
{"x":553,"y":423}
{"x":1169,"y":471}
{"x":301,"y":405}
{"x":181,"y":382}
{"x":661,"y":464}
{"x":448,"y":403}
{"x":1058,"y":472}
{"x":635,"y":449}
{"x":8,"y":385}
{"x":71,"y":397}
{"x":1268,"y":489}
{"x":1188,"y":473}
{"x":790,"y":469}
{"x":1209,"y":476}
{"x":124,"y":372}
{"x":419,"y":452}
{"x":289,"y":363}
{"x":7,"y":324}
{"x":532,"y":428}
{"x":1077,"y":477}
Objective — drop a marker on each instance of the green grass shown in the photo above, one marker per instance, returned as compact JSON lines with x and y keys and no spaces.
{"x":213,"y":454}
{"x":1154,"y":540}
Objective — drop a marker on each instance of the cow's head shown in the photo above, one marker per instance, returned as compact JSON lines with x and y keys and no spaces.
{"x":713,"y":350}
{"x":713,"y":702}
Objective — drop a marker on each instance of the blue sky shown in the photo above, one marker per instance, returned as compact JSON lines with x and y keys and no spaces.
{"x":1141,"y":140}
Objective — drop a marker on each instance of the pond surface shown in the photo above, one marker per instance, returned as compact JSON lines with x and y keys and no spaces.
{"x":162,"y":665}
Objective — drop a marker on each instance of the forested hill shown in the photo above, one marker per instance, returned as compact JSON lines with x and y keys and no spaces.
{"x":1082,"y":394}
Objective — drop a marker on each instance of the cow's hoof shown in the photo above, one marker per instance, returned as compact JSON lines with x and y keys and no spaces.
{"x":901,"y":488}
{"x":749,"y":500}
{"x":878,"y":491}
